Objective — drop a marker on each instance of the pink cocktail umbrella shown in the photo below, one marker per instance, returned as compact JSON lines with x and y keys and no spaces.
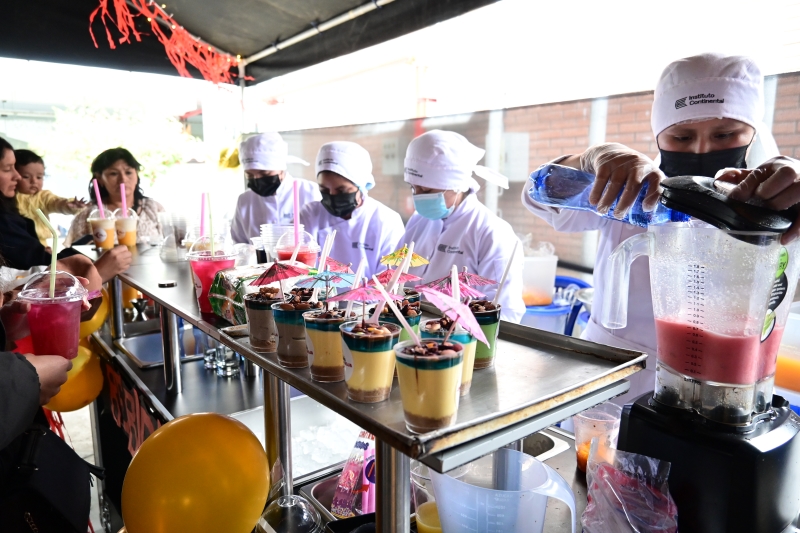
{"x":364,"y":294}
{"x":473,"y":280}
{"x":387,"y":274}
{"x":456,"y":311}
{"x":278,"y":272}
{"x":336,"y":266}
{"x":444,"y":285}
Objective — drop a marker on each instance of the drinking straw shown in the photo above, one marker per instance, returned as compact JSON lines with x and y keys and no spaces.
{"x":210,"y":224}
{"x":326,"y":249}
{"x":396,"y":311}
{"x":359,"y":273}
{"x":296,"y":192}
{"x":406,"y":265}
{"x":98,"y":198}
{"x":124,"y":200}
{"x":392,"y":282}
{"x":202,"y":214}
{"x":505,"y":274}
{"x":53,"y":256}
{"x":454,"y":282}
{"x":294,"y":254}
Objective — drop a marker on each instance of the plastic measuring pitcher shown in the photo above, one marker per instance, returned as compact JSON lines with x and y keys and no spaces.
{"x":505,"y":492}
{"x":715,"y":293}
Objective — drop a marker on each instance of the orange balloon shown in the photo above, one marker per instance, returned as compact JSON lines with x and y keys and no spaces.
{"x":96,"y":322}
{"x":204,"y":473}
{"x":84,"y":383}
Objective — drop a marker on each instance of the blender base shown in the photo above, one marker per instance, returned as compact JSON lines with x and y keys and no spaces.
{"x":722,"y":481}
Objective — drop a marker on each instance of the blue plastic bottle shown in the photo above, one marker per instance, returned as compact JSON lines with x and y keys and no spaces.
{"x":568,"y":188}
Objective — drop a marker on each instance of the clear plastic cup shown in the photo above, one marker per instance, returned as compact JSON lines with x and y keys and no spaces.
{"x":292,"y":350}
{"x":324,"y":346}
{"x":261,"y":324}
{"x":465,"y":339}
{"x":103,"y":229}
{"x":205,"y":267}
{"x":489,"y":322}
{"x":125,"y":224}
{"x":601,"y":421}
{"x":429,"y":387}
{"x":309,"y":248}
{"x":369,"y":362}
{"x":55,"y":323}
{"x":270,"y":233}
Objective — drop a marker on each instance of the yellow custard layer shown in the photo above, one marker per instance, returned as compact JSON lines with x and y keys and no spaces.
{"x":324,"y":348}
{"x":469,"y":362}
{"x":371,"y":370}
{"x":430,"y":393}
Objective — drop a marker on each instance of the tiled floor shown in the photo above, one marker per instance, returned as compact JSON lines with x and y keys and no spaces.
{"x":79,"y":432}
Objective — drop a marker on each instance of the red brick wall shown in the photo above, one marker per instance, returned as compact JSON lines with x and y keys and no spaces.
{"x":554,"y":129}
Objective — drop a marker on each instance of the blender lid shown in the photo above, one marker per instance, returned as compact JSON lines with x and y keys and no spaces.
{"x":698,"y":197}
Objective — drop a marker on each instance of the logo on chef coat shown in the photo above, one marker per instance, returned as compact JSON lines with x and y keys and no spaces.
{"x":364,"y":246}
{"x":445,"y":249}
{"x":702,"y":98}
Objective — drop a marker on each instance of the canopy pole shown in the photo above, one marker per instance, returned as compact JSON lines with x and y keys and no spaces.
{"x":316,"y":30}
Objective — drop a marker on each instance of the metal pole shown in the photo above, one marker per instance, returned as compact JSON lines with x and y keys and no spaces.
{"x":117,"y":316}
{"x":170,"y":347}
{"x":392,"y":490}
{"x":285,"y":437}
{"x":271,"y":428}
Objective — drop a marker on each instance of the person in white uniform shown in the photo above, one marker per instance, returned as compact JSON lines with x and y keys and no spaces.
{"x":269,"y":198}
{"x":365,"y":228}
{"x":451,"y":226}
{"x":707,"y":116}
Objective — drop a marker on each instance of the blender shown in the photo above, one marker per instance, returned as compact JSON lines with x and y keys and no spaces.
{"x":721,"y":289}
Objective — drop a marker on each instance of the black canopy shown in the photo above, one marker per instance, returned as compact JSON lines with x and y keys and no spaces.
{"x":58,"y":31}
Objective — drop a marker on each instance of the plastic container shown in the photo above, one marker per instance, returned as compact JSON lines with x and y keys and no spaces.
{"x":126,"y":224}
{"x":271,"y":233}
{"x":309,"y":248}
{"x":538,"y":280}
{"x":205,"y":267}
{"x":547,"y":317}
{"x":601,"y":422}
{"x":54,"y":322}
{"x":505,"y":492}
{"x":103,"y":229}
{"x":568,"y":188}
{"x":580,"y":324}
{"x":787,"y":373}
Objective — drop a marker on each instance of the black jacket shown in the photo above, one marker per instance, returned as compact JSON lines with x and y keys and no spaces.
{"x":19,"y":246}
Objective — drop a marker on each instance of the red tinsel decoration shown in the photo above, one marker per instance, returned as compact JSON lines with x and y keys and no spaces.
{"x":182,"y":48}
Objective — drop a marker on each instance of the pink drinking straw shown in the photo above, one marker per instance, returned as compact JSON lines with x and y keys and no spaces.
{"x":99,"y":198}
{"x":296,"y":185}
{"x":203,"y":214}
{"x":124,"y":200}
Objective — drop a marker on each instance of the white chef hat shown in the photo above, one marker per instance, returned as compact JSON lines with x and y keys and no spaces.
{"x":709,"y":86}
{"x":266,"y":151}
{"x":446,"y":160}
{"x":348,"y":159}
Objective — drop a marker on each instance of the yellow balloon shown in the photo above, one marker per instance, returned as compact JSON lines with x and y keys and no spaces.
{"x":204,"y":473}
{"x":84,"y":383}
{"x":96,"y":322}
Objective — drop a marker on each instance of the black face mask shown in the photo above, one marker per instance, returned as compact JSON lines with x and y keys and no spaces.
{"x":340,"y":205}
{"x":708,"y":164}
{"x":266,"y":186}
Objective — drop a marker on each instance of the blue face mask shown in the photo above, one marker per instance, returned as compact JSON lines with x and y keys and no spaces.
{"x":432,"y":206}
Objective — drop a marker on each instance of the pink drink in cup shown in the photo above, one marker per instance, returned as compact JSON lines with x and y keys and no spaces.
{"x":54,"y":322}
{"x":205,"y":266}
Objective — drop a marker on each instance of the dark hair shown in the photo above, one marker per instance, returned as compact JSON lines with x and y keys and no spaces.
{"x":103,"y":162}
{"x":26,"y":157}
{"x":7,"y":205}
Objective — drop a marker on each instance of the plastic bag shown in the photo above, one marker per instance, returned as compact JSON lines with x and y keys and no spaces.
{"x":355,"y":491}
{"x":536,"y":249}
{"x":627,"y":493}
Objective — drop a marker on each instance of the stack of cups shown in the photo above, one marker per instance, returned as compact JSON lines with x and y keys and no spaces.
{"x":270,"y":233}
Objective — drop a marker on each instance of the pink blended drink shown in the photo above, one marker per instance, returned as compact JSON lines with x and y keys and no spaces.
{"x":205,"y":268}
{"x":54,"y":322}
{"x":707,"y":356}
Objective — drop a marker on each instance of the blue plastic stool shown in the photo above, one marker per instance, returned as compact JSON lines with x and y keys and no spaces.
{"x":563,"y":282}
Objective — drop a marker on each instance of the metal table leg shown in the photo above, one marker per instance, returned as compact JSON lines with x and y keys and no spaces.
{"x":170,"y":347}
{"x":393,"y":490}
{"x":117,"y":314}
{"x":285,"y":437}
{"x":271,"y":429}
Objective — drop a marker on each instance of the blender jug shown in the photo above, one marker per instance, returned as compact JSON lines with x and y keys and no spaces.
{"x":714,"y":302}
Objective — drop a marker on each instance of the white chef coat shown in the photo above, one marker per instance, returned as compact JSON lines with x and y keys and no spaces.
{"x":253,"y":210}
{"x":472,"y":237}
{"x":372,"y":232}
{"x":640,"y":333}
